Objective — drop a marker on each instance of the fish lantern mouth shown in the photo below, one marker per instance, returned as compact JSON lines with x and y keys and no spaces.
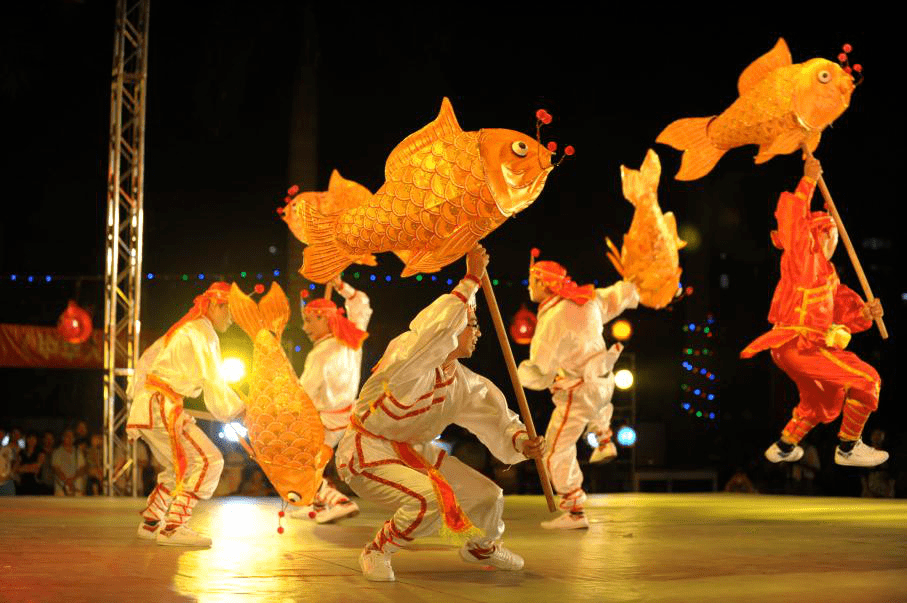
{"x":293,"y":498}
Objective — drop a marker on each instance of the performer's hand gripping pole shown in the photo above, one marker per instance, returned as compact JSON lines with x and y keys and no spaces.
{"x":517,"y":386}
{"x":830,"y":204}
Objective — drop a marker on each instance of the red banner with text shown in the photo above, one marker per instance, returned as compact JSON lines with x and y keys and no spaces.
{"x":42,"y":347}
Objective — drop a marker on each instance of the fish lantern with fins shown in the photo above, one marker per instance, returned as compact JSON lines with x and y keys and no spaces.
{"x":648,"y":256}
{"x":782,"y":106}
{"x":74,"y":324}
{"x":523,"y":326}
{"x":445,"y":189}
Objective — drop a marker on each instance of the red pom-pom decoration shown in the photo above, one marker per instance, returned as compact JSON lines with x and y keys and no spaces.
{"x":280,"y":529}
{"x":280,"y":211}
{"x":569,"y":150}
{"x":552,"y":146}
{"x":304,"y":294}
{"x":847,"y":69}
{"x":311,"y":514}
{"x":293,"y":189}
{"x":281,"y":514}
{"x":536,"y":252}
{"x":842,"y":57}
{"x":287,"y":199}
{"x":259,"y":288}
{"x":847,"y":48}
{"x":858,"y":68}
{"x":547,"y":119}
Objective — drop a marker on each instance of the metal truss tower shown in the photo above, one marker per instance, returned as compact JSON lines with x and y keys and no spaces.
{"x":123,"y":261}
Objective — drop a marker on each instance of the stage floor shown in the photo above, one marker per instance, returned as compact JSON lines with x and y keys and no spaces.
{"x":641,"y":547}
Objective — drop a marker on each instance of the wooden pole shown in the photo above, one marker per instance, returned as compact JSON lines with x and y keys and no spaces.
{"x":517,"y":386}
{"x":845,"y":238}
{"x":328,"y":290}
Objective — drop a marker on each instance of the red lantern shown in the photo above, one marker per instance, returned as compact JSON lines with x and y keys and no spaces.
{"x":74,"y":325}
{"x":523,"y":326}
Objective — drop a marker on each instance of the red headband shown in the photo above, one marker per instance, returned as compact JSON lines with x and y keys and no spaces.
{"x":342,"y":328}
{"x":555,"y":277}
{"x":218,"y":293}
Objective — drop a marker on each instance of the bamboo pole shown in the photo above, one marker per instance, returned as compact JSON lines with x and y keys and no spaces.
{"x":517,"y":386}
{"x":328,"y":290}
{"x":845,"y":238}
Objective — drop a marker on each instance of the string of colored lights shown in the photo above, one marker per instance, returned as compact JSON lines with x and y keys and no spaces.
{"x":697,"y":400}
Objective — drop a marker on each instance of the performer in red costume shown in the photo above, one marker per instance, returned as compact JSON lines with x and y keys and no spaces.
{"x":813,"y":316}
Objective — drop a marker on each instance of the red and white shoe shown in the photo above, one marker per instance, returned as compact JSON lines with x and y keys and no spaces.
{"x":604,"y":453}
{"x":182,"y":536}
{"x":376,"y":566}
{"x":497,"y":556}
{"x":567,"y":521}
{"x":336,"y":512}
{"x":148,"y":531}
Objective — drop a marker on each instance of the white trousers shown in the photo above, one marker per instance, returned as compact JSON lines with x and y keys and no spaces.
{"x":410,"y":494}
{"x":204,"y":464}
{"x":588,"y":404}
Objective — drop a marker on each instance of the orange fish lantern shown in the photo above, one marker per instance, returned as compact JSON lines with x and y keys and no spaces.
{"x":341,"y":194}
{"x":285,"y":431}
{"x":445,"y":189}
{"x":74,"y":324}
{"x":648,"y":257}
{"x":523,"y":326}
{"x":781,"y":106}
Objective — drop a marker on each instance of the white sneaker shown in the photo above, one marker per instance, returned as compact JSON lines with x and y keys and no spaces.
{"x":860,"y":455}
{"x":604,"y":453}
{"x":499,"y":557}
{"x":567,"y":521}
{"x":376,"y":566}
{"x":182,"y":536}
{"x":306,"y":512}
{"x":147,"y":532}
{"x":776,"y":455}
{"x":344,"y":509}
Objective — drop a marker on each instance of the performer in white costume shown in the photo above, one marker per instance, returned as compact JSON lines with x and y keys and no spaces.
{"x":386,"y":455}
{"x":185,"y":362}
{"x":568,"y":355}
{"x":331,"y":379}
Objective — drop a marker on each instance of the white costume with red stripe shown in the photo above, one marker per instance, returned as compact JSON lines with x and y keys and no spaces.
{"x":332,"y":370}
{"x":188,"y":365}
{"x":568,"y":355}
{"x":410,"y":399}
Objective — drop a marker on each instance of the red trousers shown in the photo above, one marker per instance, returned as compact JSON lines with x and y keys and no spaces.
{"x":828,"y":379}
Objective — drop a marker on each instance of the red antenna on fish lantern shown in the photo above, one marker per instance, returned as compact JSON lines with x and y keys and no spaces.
{"x":843,"y":59}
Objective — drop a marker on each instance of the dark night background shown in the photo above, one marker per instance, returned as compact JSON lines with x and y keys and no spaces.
{"x":244,"y":101}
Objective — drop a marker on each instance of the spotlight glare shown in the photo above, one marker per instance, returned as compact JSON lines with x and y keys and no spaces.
{"x":592,"y":439}
{"x":621,"y":330}
{"x":234,"y":370}
{"x":626,"y":436}
{"x":623,"y":379}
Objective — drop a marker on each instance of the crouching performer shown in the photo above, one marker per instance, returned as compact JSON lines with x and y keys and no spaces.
{"x":417,"y":389}
{"x":185,"y":362}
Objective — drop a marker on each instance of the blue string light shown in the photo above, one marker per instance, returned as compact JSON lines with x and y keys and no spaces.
{"x":388,"y":278}
{"x":13,"y":277}
{"x":371,"y":277}
{"x":298,"y":348}
{"x":312,"y":286}
{"x":525,"y":282}
{"x":277,"y":273}
{"x":201,"y":276}
{"x":450,"y":281}
{"x":31,"y":279}
{"x":47,"y":278}
{"x":433,"y":277}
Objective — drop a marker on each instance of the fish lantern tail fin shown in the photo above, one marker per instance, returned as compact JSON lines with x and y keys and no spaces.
{"x":274,"y":309}
{"x":690,"y":135}
{"x":323,"y":259}
{"x":245,"y":312}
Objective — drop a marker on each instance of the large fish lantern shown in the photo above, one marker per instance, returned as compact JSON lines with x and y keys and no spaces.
{"x":648,"y":257}
{"x":285,"y":431}
{"x":781,"y":107}
{"x":445,"y":189}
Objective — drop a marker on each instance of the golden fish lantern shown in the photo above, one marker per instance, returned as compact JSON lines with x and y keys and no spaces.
{"x":285,"y":430}
{"x":782,"y":105}
{"x":648,"y":257}
{"x":445,"y":189}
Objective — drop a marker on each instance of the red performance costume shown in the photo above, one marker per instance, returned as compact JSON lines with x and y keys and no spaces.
{"x":813,"y":316}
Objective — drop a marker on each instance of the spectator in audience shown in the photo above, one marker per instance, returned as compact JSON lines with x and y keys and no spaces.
{"x":94,"y":466}
{"x":81,"y":434}
{"x":30,"y":461}
{"x":46,"y":477}
{"x":7,"y":464}
{"x":69,"y":467}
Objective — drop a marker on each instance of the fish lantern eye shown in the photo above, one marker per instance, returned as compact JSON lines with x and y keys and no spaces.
{"x":520,"y":148}
{"x":293,"y":497}
{"x":824,"y":76}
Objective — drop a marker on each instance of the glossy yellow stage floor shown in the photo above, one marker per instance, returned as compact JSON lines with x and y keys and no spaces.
{"x":640,"y":547}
